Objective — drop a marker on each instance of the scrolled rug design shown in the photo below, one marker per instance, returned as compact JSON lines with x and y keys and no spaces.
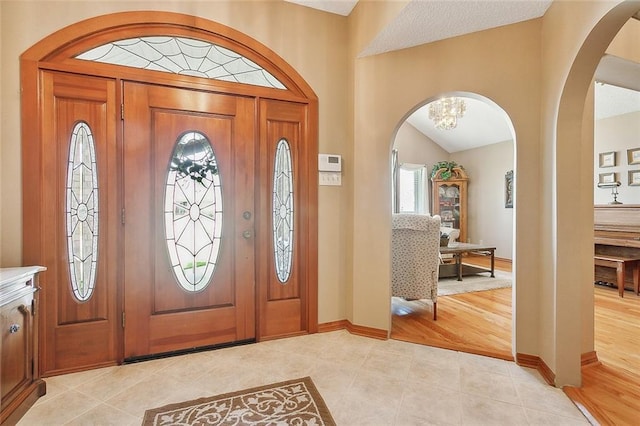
{"x":294,"y":402}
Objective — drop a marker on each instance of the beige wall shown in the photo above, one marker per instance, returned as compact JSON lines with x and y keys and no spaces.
{"x":537,"y":71}
{"x":504,"y":61}
{"x":313,"y":42}
{"x":489,"y":222}
{"x":575,"y":36}
{"x":3,"y":176}
{"x":617,"y":134}
{"x":625,"y":44}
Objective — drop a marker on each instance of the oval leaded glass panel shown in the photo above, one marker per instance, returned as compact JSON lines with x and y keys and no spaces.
{"x":82,"y":211}
{"x":193,"y":211}
{"x":283,"y":211}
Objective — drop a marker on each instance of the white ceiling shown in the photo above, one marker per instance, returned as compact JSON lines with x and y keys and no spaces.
{"x":426,"y":21}
{"x":482,"y":124}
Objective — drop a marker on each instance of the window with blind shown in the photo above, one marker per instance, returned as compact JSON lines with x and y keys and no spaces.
{"x":412,"y":188}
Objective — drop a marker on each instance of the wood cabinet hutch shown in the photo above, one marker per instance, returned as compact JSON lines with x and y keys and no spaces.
{"x":450,"y":199}
{"x":20,"y":384}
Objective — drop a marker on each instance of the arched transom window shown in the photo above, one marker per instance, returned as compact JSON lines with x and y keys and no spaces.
{"x":181,"y":55}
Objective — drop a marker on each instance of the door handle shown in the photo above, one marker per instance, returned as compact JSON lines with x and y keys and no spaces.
{"x":246,"y":234}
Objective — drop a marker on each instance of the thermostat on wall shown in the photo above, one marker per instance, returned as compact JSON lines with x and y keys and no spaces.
{"x":329,"y":163}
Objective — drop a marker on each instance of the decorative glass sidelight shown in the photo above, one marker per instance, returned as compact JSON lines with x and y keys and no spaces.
{"x":283,"y":211}
{"x":193,"y":211}
{"x":82,"y":212}
{"x":181,"y":55}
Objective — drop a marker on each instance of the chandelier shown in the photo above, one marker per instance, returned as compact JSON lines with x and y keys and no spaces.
{"x":446,"y":111}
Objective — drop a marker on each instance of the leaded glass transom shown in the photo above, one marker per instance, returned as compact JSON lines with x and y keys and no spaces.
{"x":82,"y":212}
{"x":283,"y":211}
{"x":193,"y":211}
{"x":181,"y":55}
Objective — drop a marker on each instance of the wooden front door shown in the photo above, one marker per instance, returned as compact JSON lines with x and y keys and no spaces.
{"x":188,"y":219}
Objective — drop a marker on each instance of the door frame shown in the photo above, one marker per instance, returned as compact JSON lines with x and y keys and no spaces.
{"x":57,"y":51}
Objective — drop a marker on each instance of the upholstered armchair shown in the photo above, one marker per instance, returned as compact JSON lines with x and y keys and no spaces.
{"x":415,"y":248}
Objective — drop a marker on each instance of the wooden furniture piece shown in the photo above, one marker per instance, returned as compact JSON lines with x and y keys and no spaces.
{"x":619,"y":263}
{"x":20,"y":384}
{"x":617,"y":234}
{"x":458,"y":269}
{"x":450,"y":199}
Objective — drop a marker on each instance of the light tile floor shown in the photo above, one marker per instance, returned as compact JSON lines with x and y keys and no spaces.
{"x":363,"y":381}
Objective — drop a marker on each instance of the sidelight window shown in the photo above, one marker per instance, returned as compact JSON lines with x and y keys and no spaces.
{"x":283,"y":211}
{"x":82,"y":211}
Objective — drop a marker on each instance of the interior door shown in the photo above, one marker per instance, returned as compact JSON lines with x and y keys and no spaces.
{"x":189,"y":165}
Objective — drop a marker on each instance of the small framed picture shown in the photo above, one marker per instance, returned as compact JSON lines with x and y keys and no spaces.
{"x":633,"y":156}
{"x":634,"y":177}
{"x":607,"y":159}
{"x":607,"y":178}
{"x":508,"y":190}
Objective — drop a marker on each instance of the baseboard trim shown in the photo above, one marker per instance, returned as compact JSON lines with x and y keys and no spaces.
{"x":585,"y":406}
{"x":359,"y":330}
{"x":589,"y":359}
{"x":534,"y":361}
{"x":333,"y":326}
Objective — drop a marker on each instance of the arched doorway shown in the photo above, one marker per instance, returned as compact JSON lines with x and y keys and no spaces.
{"x":176,"y":169}
{"x":483,"y":142}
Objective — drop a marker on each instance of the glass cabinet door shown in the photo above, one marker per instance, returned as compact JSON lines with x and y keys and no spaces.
{"x":449,"y":205}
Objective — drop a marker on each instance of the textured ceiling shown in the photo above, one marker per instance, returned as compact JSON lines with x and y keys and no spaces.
{"x":611,"y":101}
{"x":340,"y":7}
{"x":426,"y":21}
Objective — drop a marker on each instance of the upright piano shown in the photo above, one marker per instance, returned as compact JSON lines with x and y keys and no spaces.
{"x":616,"y":232}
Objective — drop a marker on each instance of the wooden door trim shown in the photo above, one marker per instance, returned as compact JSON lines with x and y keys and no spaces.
{"x":56,"y":51}
{"x":61,"y":46}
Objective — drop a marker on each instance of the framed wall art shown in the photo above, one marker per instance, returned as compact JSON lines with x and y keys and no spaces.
{"x":633,"y":156}
{"x":508,"y":190}
{"x":607,"y":159}
{"x":607,"y":177}
{"x":634,"y":177}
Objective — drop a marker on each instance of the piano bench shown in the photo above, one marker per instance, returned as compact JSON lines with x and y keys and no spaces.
{"x":619,"y":263}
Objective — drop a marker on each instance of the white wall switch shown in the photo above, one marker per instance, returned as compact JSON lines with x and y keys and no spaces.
{"x":330,"y":179}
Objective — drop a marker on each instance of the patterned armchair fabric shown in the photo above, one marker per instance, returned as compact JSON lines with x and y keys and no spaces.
{"x":415,"y":248}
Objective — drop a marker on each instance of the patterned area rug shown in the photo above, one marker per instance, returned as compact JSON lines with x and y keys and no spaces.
{"x":470,"y":283}
{"x":294,"y":402}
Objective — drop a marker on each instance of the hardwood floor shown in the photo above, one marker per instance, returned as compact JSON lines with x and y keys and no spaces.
{"x":481,"y":323}
{"x":611,"y":389}
{"x":478,"y":323}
